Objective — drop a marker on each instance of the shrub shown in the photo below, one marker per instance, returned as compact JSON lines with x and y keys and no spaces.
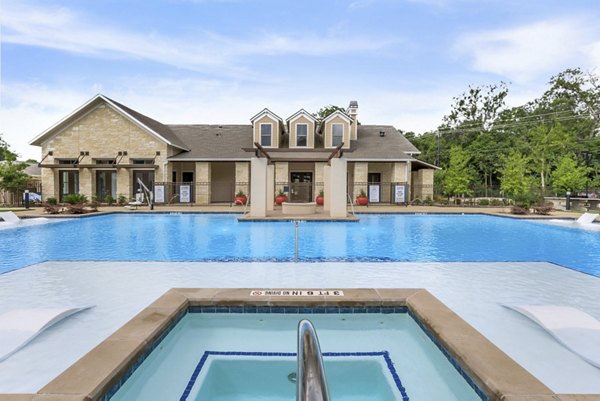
{"x":109,"y":199}
{"x":417,"y":202}
{"x":457,"y":201}
{"x":428,"y":201}
{"x":496,"y":202}
{"x":121,"y":199}
{"x":75,"y":199}
{"x":519,"y":210}
{"x":51,"y":201}
{"x":483,"y":202}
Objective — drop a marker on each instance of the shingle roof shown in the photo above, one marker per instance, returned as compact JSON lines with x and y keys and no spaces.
{"x":158,"y":127}
{"x":214,"y":141}
{"x":372,"y":146}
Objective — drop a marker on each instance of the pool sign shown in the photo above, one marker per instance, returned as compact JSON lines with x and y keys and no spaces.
{"x":159,"y":193}
{"x":184,"y":193}
{"x":296,"y":293}
{"x":399,"y":193}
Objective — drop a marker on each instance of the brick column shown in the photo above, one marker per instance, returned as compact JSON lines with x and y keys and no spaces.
{"x":203,"y":176}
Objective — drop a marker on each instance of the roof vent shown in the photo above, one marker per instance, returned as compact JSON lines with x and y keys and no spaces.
{"x":382,"y":133}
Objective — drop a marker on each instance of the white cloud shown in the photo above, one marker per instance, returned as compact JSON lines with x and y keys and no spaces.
{"x":525,"y":52}
{"x":64,"y":29}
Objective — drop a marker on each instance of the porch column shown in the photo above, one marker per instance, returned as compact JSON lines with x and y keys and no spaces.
{"x":270,"y":187}
{"x":361,"y":176}
{"x":339,"y":170}
{"x":85,"y":182}
{"x":203,"y":177}
{"x":326,"y":187}
{"x":124,"y":183}
{"x":258,"y":187}
{"x":50,"y":183}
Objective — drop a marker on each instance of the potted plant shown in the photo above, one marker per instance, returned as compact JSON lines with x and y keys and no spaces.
{"x":320,"y":198}
{"x":362,"y":199}
{"x":280,"y":198}
{"x":240,"y":198}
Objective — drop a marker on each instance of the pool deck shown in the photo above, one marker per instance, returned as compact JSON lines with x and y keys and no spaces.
{"x":104,"y":368}
{"x":320,"y":215}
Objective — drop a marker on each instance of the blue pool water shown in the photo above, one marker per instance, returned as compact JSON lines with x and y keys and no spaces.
{"x":367,"y":356}
{"x":220,"y":237}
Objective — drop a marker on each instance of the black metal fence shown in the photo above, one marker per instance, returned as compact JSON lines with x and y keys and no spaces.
{"x":169,"y":193}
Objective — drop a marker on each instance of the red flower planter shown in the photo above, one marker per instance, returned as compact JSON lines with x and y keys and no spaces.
{"x":319,"y":199}
{"x":240,"y":200}
{"x":362,"y":201}
{"x":280,"y":199}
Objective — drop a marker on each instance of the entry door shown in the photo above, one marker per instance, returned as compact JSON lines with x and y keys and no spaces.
{"x":374,"y":189}
{"x":106,"y":184}
{"x":301,"y":187}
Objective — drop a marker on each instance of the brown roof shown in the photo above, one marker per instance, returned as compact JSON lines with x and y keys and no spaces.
{"x":158,"y":127}
{"x":371,"y":146}
{"x":209,"y":142}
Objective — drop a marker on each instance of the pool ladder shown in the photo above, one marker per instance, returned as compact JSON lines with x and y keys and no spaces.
{"x":311,"y":383}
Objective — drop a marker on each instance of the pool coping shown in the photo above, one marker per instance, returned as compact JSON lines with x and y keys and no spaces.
{"x":101,"y":369}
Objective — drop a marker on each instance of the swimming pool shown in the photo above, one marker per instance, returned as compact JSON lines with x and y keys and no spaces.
{"x":220,"y":237}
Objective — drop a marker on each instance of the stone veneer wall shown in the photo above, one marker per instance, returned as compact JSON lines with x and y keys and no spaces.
{"x":102,"y":132}
{"x":422,"y":184}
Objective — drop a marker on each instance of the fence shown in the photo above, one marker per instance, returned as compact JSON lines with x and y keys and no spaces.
{"x":15,"y":198}
{"x":169,"y":193}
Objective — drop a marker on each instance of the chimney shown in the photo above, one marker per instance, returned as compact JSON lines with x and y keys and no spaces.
{"x":352,"y":111}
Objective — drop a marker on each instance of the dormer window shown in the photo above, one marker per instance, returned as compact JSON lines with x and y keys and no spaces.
{"x":337,"y":134}
{"x":266,"y":134}
{"x":301,"y":134}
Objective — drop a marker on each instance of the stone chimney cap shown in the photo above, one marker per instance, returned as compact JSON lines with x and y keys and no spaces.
{"x":353,"y":104}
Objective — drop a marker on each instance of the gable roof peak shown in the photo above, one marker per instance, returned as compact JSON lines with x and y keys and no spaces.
{"x":264,"y":112}
{"x":338,"y":113}
{"x":303,"y":113}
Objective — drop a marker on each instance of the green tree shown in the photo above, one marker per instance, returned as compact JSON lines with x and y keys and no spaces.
{"x":459,"y":175}
{"x":325,"y":111}
{"x":515,"y":181}
{"x":547,"y":145}
{"x":568,"y":176}
{"x":12,"y":177}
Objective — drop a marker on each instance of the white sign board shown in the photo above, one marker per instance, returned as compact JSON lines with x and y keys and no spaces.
{"x":139,"y":197}
{"x":159,"y":193}
{"x":296,"y":293}
{"x":184,"y":193}
{"x":374,"y":193}
{"x":399,"y":194}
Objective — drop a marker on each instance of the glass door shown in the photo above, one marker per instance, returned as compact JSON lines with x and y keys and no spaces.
{"x":301,"y":187}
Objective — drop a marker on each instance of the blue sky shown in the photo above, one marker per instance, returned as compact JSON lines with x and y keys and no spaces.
{"x":221,"y":61}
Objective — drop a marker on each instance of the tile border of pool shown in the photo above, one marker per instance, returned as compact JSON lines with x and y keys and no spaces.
{"x":101,"y":369}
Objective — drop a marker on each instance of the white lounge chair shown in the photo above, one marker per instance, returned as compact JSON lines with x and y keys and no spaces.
{"x":587,"y":218}
{"x":9,"y":217}
{"x":19,"y":327}
{"x":571,"y":327}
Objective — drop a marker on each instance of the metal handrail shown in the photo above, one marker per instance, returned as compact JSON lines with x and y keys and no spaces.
{"x":311,"y":383}
{"x":147,"y":192}
{"x":351,"y":204}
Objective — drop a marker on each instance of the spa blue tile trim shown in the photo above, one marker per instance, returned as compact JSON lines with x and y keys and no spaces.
{"x":204,"y":358}
{"x":451,"y":359}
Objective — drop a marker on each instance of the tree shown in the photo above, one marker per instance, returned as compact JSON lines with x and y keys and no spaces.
{"x":459,"y":175}
{"x":325,"y":111}
{"x":12,"y":177}
{"x":515,"y":181}
{"x":547,"y":145}
{"x":568,"y":176}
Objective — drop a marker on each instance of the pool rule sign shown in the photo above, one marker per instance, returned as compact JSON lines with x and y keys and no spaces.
{"x":296,"y":293}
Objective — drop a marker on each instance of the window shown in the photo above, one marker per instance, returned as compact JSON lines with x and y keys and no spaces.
{"x":301,"y":134}
{"x":66,"y":161}
{"x":337,"y":134}
{"x":265,"y":134}
{"x":104,"y":161}
{"x":142,"y":161}
{"x":69,"y":183}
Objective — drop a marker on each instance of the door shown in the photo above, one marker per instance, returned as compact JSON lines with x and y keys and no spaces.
{"x":69,"y":183}
{"x":301,"y":187}
{"x":147,"y":177}
{"x":106,"y":184}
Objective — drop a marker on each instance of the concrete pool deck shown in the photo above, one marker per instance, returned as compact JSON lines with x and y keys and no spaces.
{"x":475,"y":291}
{"x":277,"y":214}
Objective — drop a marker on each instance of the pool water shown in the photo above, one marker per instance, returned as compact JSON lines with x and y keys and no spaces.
{"x":220,"y":237}
{"x":235,"y":356}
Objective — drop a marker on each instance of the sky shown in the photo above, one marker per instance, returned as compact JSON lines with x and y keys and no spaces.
{"x":222,"y":61}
